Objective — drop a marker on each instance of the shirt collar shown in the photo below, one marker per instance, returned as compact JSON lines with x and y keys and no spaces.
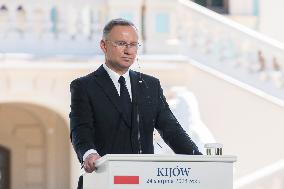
{"x":115,"y":76}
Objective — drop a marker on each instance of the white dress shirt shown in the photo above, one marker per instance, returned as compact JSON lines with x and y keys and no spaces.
{"x":114,"y":77}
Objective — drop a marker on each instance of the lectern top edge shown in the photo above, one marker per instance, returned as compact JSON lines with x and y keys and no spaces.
{"x":164,"y":158}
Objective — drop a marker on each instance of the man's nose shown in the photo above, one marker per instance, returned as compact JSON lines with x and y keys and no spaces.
{"x":127,"y":50}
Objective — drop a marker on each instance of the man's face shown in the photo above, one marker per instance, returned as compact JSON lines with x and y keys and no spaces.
{"x":120,"y":47}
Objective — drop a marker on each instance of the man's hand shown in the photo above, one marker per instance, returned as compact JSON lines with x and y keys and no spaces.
{"x":89,"y":163}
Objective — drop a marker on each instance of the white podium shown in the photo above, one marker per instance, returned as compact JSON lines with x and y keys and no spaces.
{"x":148,"y":171}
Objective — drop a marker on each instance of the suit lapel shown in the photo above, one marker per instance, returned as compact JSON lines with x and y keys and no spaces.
{"x":109,"y":89}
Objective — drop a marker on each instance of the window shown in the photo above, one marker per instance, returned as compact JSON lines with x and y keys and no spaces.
{"x":201,"y":2}
{"x":219,"y":6}
{"x":162,"y":23}
{"x":255,"y":10}
{"x":54,"y":19}
{"x":217,"y":3}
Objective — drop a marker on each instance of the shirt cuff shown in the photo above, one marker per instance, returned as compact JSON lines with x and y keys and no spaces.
{"x":91,"y":151}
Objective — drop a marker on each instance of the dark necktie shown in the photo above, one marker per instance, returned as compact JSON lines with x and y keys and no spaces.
{"x":125,"y":99}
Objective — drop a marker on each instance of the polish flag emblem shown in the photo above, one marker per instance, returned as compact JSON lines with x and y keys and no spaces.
{"x":126,"y":180}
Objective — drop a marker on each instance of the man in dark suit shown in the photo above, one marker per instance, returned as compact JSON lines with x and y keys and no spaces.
{"x":114,"y":110}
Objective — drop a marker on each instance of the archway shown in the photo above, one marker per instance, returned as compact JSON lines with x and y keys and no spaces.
{"x":37,"y":138}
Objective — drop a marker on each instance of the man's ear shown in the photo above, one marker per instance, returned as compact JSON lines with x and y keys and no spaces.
{"x":103,"y":45}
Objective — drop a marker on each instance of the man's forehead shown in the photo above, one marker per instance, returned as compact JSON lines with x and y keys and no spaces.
{"x":123,"y":31}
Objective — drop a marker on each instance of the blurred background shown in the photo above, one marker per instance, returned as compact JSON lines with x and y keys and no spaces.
{"x":220,"y":63}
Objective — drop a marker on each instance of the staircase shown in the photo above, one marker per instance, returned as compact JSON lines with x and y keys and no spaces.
{"x":232,"y":49}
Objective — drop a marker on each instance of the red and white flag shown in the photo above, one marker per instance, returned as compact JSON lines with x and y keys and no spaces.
{"x":126,"y":180}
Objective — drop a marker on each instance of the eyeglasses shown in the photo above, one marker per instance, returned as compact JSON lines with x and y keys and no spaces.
{"x":123,"y":45}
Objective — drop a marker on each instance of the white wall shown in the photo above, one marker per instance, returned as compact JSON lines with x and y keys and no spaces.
{"x":271,"y":14}
{"x":240,"y":7}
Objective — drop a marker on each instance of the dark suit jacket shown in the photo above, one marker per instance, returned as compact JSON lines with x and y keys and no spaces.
{"x":98,"y":122}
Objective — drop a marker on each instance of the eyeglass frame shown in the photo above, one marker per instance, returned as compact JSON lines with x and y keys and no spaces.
{"x":125,"y":44}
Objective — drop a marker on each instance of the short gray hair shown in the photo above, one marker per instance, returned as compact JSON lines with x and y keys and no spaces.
{"x":116,"y":22}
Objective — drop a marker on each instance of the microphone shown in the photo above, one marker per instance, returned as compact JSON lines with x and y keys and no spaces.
{"x":138,"y":129}
{"x":138,"y":116}
{"x":140,"y":76}
{"x":136,"y":105}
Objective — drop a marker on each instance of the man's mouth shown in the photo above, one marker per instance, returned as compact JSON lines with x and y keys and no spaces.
{"x":127,"y":59}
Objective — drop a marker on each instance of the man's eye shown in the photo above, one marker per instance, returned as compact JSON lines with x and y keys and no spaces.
{"x":133,"y":44}
{"x":121,"y":43}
